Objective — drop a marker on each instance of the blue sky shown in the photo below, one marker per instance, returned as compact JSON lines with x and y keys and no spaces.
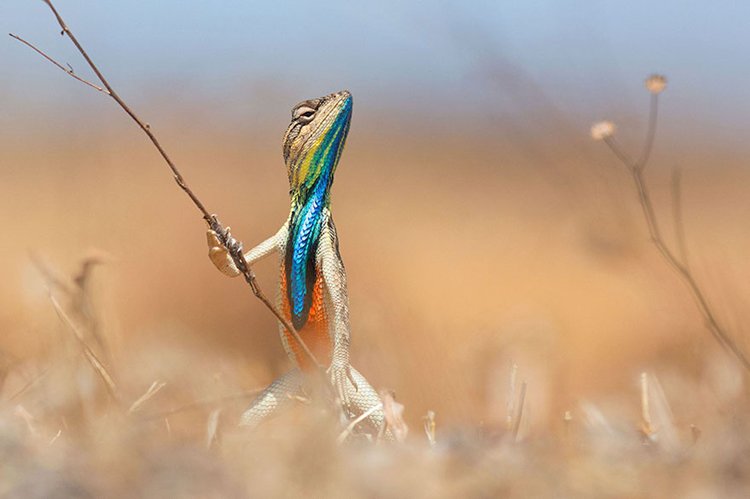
{"x":428,"y":59}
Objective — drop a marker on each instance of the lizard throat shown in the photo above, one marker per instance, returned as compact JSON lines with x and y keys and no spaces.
{"x":305,"y":227}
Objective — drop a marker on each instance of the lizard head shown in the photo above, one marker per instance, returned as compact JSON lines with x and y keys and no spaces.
{"x":314,"y":140}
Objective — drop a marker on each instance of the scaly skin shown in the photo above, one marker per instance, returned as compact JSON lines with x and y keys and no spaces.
{"x":312,"y":288}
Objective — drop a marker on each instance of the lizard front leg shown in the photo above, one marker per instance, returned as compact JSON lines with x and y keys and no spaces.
{"x":221,"y":258}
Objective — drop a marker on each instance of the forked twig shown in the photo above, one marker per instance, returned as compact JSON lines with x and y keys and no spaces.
{"x":234,"y":246}
{"x":679,"y":263}
{"x":68,"y":70}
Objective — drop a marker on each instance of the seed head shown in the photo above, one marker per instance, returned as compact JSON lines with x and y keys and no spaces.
{"x":602,"y":130}
{"x":656,"y":83}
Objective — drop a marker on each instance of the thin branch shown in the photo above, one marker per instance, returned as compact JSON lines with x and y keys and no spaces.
{"x":68,"y":70}
{"x":617,"y":151}
{"x":678,"y":264}
{"x":677,"y":217}
{"x":234,"y":247}
{"x":653,"y":114}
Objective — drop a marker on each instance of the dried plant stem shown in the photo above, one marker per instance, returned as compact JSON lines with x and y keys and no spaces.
{"x":68,"y":70}
{"x":349,"y":429}
{"x":429,"y":427}
{"x":234,"y":247}
{"x":30,"y":383}
{"x":155,"y":387}
{"x":679,"y":224}
{"x":92,"y":358}
{"x":653,"y":114}
{"x":678,"y":263}
{"x":202,"y":403}
{"x":519,"y":413}
{"x":647,"y":427}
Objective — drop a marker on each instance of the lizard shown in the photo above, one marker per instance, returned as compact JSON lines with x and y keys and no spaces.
{"x":312,"y":292}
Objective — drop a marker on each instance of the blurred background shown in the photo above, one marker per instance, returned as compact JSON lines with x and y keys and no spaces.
{"x":480,"y":225}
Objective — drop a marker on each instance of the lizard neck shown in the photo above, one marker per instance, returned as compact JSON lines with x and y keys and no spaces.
{"x":312,"y":153}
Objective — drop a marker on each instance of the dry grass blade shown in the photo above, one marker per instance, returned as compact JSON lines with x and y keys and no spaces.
{"x":350,"y":428}
{"x":30,"y":383}
{"x":429,"y":427}
{"x":57,"y":435}
{"x":212,"y":427}
{"x":510,"y":406}
{"x":152,"y":390}
{"x":662,"y":417}
{"x":96,"y":364}
{"x":647,"y":427}
{"x":52,"y":279}
{"x":28,"y":419}
{"x":519,"y":414}
{"x":199,"y":404}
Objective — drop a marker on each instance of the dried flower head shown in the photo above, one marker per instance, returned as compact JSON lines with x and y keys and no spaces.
{"x":602,"y":130}
{"x":656,"y":83}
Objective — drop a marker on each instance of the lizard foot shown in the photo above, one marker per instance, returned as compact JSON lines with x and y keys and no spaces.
{"x":343,"y":383}
{"x":219,"y":254}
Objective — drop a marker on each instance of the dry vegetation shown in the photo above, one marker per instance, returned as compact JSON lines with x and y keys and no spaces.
{"x":185,"y":350}
{"x":567,"y":361}
{"x":167,"y":428}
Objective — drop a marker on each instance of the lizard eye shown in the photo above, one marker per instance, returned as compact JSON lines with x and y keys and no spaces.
{"x":304,"y":114}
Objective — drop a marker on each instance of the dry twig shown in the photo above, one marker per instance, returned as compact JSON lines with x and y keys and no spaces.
{"x":605,"y":131}
{"x":234,"y":246}
{"x":349,"y":429}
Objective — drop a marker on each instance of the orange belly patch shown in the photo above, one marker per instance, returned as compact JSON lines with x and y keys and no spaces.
{"x":315,"y":331}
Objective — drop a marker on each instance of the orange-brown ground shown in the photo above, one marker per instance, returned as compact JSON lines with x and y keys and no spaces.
{"x":463,"y":257}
